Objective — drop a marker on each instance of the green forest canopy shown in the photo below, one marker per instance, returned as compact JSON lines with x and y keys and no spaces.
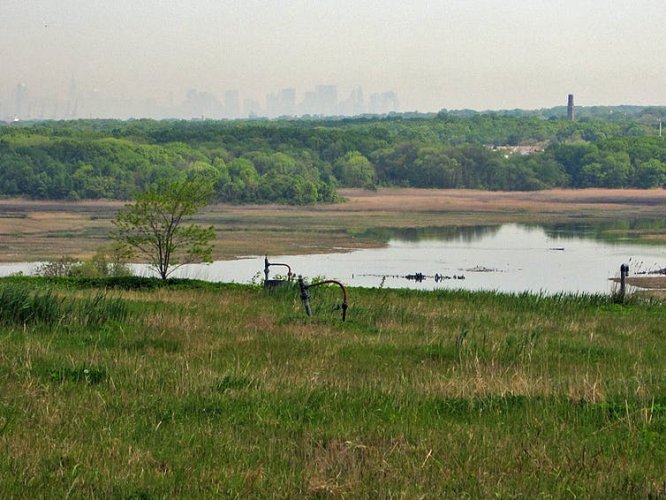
{"x":303,"y":161}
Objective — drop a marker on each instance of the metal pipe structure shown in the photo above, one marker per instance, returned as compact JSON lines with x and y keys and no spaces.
{"x":267,"y":266}
{"x":624,"y":272}
{"x":305,"y":296}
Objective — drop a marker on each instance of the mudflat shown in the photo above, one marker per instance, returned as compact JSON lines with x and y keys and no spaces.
{"x":41,"y":230}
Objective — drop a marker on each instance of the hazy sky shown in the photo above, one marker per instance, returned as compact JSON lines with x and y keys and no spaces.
{"x":481,"y":54}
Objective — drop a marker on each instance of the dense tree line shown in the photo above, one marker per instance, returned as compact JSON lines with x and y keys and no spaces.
{"x":92,"y":167}
{"x":303,"y":161}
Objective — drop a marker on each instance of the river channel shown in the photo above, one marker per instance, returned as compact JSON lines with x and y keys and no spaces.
{"x":508,"y":258}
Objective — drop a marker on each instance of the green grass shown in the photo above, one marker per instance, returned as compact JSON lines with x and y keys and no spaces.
{"x":204,"y":390}
{"x":21,"y":306}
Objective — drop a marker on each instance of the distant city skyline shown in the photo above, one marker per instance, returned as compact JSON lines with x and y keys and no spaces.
{"x":135,"y":58}
{"x":76,"y":103}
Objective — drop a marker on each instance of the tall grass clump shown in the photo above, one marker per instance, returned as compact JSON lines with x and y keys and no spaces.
{"x":21,"y":306}
{"x":99,"y":309}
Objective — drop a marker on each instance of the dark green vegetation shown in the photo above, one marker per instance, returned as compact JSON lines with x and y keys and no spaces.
{"x":303,"y":161}
{"x":214,"y":390}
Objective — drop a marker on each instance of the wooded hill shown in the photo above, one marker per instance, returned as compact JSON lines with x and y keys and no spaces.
{"x":303,"y":161}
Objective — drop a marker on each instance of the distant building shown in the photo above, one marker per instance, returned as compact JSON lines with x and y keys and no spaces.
{"x":384,"y":103}
{"x":72,"y":100}
{"x":288,"y":102}
{"x":251,"y":108}
{"x":524,"y":150}
{"x":354,"y":105}
{"x":281,"y":104}
{"x":232,"y":107}
{"x":201,"y":104}
{"x":309,"y":104}
{"x":20,"y":98}
{"x":327,"y":100}
{"x":571,"y":109}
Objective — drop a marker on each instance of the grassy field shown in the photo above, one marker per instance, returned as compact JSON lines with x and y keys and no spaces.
{"x":203,"y":390}
{"x":32,"y":231}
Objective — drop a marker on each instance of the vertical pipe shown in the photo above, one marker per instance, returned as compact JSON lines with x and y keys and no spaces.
{"x":624,"y":271}
{"x":266,"y":268}
{"x":305,"y":298}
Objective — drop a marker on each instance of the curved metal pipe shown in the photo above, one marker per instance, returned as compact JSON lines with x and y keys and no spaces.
{"x":267,"y":265}
{"x":305,"y":296}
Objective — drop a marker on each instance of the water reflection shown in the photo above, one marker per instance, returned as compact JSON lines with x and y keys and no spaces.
{"x":462,"y":233}
{"x":611,"y":232}
{"x":511,"y":257}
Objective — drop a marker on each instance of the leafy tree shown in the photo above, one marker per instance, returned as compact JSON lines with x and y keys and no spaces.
{"x":156,"y":226}
{"x":205,"y":171}
{"x":244,"y":180}
{"x":617,"y":166}
{"x":592,"y":174}
{"x":650,"y":174}
{"x":354,"y":170}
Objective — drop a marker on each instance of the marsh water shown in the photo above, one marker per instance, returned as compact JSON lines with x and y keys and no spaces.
{"x":510,"y":258}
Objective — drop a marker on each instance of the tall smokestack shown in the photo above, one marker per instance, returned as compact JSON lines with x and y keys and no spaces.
{"x":571,"y":110}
